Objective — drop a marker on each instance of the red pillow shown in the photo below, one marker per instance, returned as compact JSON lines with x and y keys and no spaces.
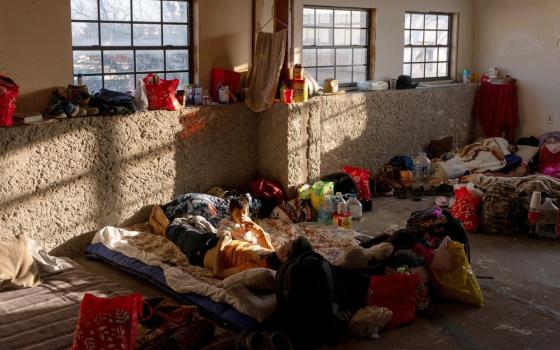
{"x":396,"y":292}
{"x":108,"y":323}
{"x":161,"y":93}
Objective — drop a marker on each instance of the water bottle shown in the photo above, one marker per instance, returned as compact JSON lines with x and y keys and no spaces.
{"x":422,"y":166}
{"x":548,"y":222}
{"x":339,"y":203}
{"x":533,"y":216}
{"x":354,"y":207}
{"x":325,"y":215}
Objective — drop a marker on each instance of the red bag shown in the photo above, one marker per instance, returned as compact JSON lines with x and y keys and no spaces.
{"x":108,"y":323}
{"x":8,"y":94}
{"x":548,"y":161}
{"x":267,"y":189}
{"x":161,"y":93}
{"x":396,"y":292}
{"x":361,"y":179}
{"x":222,"y":77}
{"x":466,"y":208}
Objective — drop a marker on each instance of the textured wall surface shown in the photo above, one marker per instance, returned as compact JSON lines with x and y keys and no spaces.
{"x":364,"y":129}
{"x":67,"y":178}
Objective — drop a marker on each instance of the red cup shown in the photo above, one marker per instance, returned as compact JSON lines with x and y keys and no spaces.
{"x":288,"y":96}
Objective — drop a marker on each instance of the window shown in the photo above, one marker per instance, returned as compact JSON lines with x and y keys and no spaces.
{"x":116,"y":42}
{"x":335,"y":44}
{"x":427,"y":45}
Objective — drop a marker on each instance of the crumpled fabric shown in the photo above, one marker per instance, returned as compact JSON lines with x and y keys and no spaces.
{"x":265,"y":72}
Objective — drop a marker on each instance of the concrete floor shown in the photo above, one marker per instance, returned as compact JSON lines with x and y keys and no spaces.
{"x":520,"y":279}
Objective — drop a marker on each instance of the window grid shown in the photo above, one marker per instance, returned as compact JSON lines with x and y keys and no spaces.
{"x":138,"y":74}
{"x":316,"y":48}
{"x":409,"y":60}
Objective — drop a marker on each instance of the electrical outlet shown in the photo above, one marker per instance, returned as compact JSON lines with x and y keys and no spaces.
{"x":549,"y":118}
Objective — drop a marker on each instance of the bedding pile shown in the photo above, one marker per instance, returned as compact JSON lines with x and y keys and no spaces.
{"x":183,"y":277}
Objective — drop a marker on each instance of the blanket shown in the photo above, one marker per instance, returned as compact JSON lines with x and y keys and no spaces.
{"x":139,"y":243}
{"x":479,"y":157}
{"x":525,"y":185}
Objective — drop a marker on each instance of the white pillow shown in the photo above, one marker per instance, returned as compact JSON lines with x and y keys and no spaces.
{"x":526,"y":152}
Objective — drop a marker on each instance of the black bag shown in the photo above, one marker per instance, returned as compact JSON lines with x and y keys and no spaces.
{"x":305,"y":297}
{"x":343,"y":183}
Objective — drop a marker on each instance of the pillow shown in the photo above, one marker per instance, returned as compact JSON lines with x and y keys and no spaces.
{"x":259,"y":279}
{"x":17,"y":267}
{"x":527,"y":153}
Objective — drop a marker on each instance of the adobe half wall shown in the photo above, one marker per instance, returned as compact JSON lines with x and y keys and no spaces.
{"x":307,"y":141}
{"x":67,"y":178}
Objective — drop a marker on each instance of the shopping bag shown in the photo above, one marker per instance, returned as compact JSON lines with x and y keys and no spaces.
{"x":397,"y":292}
{"x":108,"y":323}
{"x":8,"y":94}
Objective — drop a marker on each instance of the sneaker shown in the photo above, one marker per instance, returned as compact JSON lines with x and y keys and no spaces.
{"x":82,"y":112}
{"x":92,"y":110}
{"x":70,"y":109}
{"x":60,"y":115}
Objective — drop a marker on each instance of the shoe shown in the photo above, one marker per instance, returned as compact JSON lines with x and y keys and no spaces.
{"x":278,"y":341}
{"x":82,"y":112}
{"x":60,"y":115}
{"x":70,"y":109}
{"x":416,"y":194}
{"x":92,"y":110}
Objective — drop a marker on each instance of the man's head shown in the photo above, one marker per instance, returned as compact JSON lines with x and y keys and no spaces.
{"x":239,"y":208}
{"x":294,"y":248}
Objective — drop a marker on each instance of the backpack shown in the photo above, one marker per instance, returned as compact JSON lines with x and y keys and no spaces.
{"x":343,"y":183}
{"x":500,"y":209}
{"x":305,"y":300}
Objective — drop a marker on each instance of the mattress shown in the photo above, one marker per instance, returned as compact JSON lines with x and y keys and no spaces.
{"x":223,"y":313}
{"x":44,"y":317}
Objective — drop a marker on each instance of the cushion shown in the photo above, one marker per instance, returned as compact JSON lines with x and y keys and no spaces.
{"x":17,"y":267}
{"x":526,"y":152}
{"x":259,"y":279}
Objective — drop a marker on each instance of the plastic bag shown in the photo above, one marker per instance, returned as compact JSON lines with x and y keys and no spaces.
{"x":108,"y":322}
{"x":396,"y":292}
{"x":361,"y":179}
{"x":319,"y":190}
{"x":161,"y":93}
{"x":141,"y":96}
{"x":452,"y":274}
{"x":8,"y":94}
{"x":466,"y":208}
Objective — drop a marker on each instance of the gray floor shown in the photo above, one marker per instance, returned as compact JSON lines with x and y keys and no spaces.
{"x":521,"y":286}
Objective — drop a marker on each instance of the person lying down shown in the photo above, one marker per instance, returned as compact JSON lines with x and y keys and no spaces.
{"x":238,"y":244}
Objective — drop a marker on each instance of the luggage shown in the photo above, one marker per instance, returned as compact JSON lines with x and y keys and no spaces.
{"x":500,"y":209}
{"x":305,"y":296}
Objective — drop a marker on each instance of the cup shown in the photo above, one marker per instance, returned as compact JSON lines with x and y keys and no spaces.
{"x":393,"y":84}
{"x":288,"y":96}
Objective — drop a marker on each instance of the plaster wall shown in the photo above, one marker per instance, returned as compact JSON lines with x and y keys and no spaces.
{"x":73,"y":176}
{"x":362,"y":129}
{"x":390,"y":29}
{"x":523,"y":39}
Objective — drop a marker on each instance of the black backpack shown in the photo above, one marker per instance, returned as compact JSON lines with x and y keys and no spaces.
{"x":343,"y":182}
{"x":305,"y":295}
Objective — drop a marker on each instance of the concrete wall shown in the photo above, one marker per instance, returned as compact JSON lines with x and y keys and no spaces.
{"x":522,"y":38}
{"x":36,"y":44}
{"x":360,"y":129}
{"x":70,"y":177}
{"x":390,"y":29}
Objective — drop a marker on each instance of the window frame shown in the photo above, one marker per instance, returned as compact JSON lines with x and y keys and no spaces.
{"x":449,"y":44}
{"x":316,"y":47}
{"x":163,"y":48}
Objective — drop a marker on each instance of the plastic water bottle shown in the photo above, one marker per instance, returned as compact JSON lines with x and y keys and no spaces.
{"x":548,"y":222}
{"x":325,"y":215}
{"x":534,"y":214}
{"x":422,"y":166}
{"x":354,"y":207}
{"x":339,"y":203}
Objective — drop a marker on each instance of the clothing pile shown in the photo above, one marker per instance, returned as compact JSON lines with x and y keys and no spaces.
{"x":113,"y":102}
